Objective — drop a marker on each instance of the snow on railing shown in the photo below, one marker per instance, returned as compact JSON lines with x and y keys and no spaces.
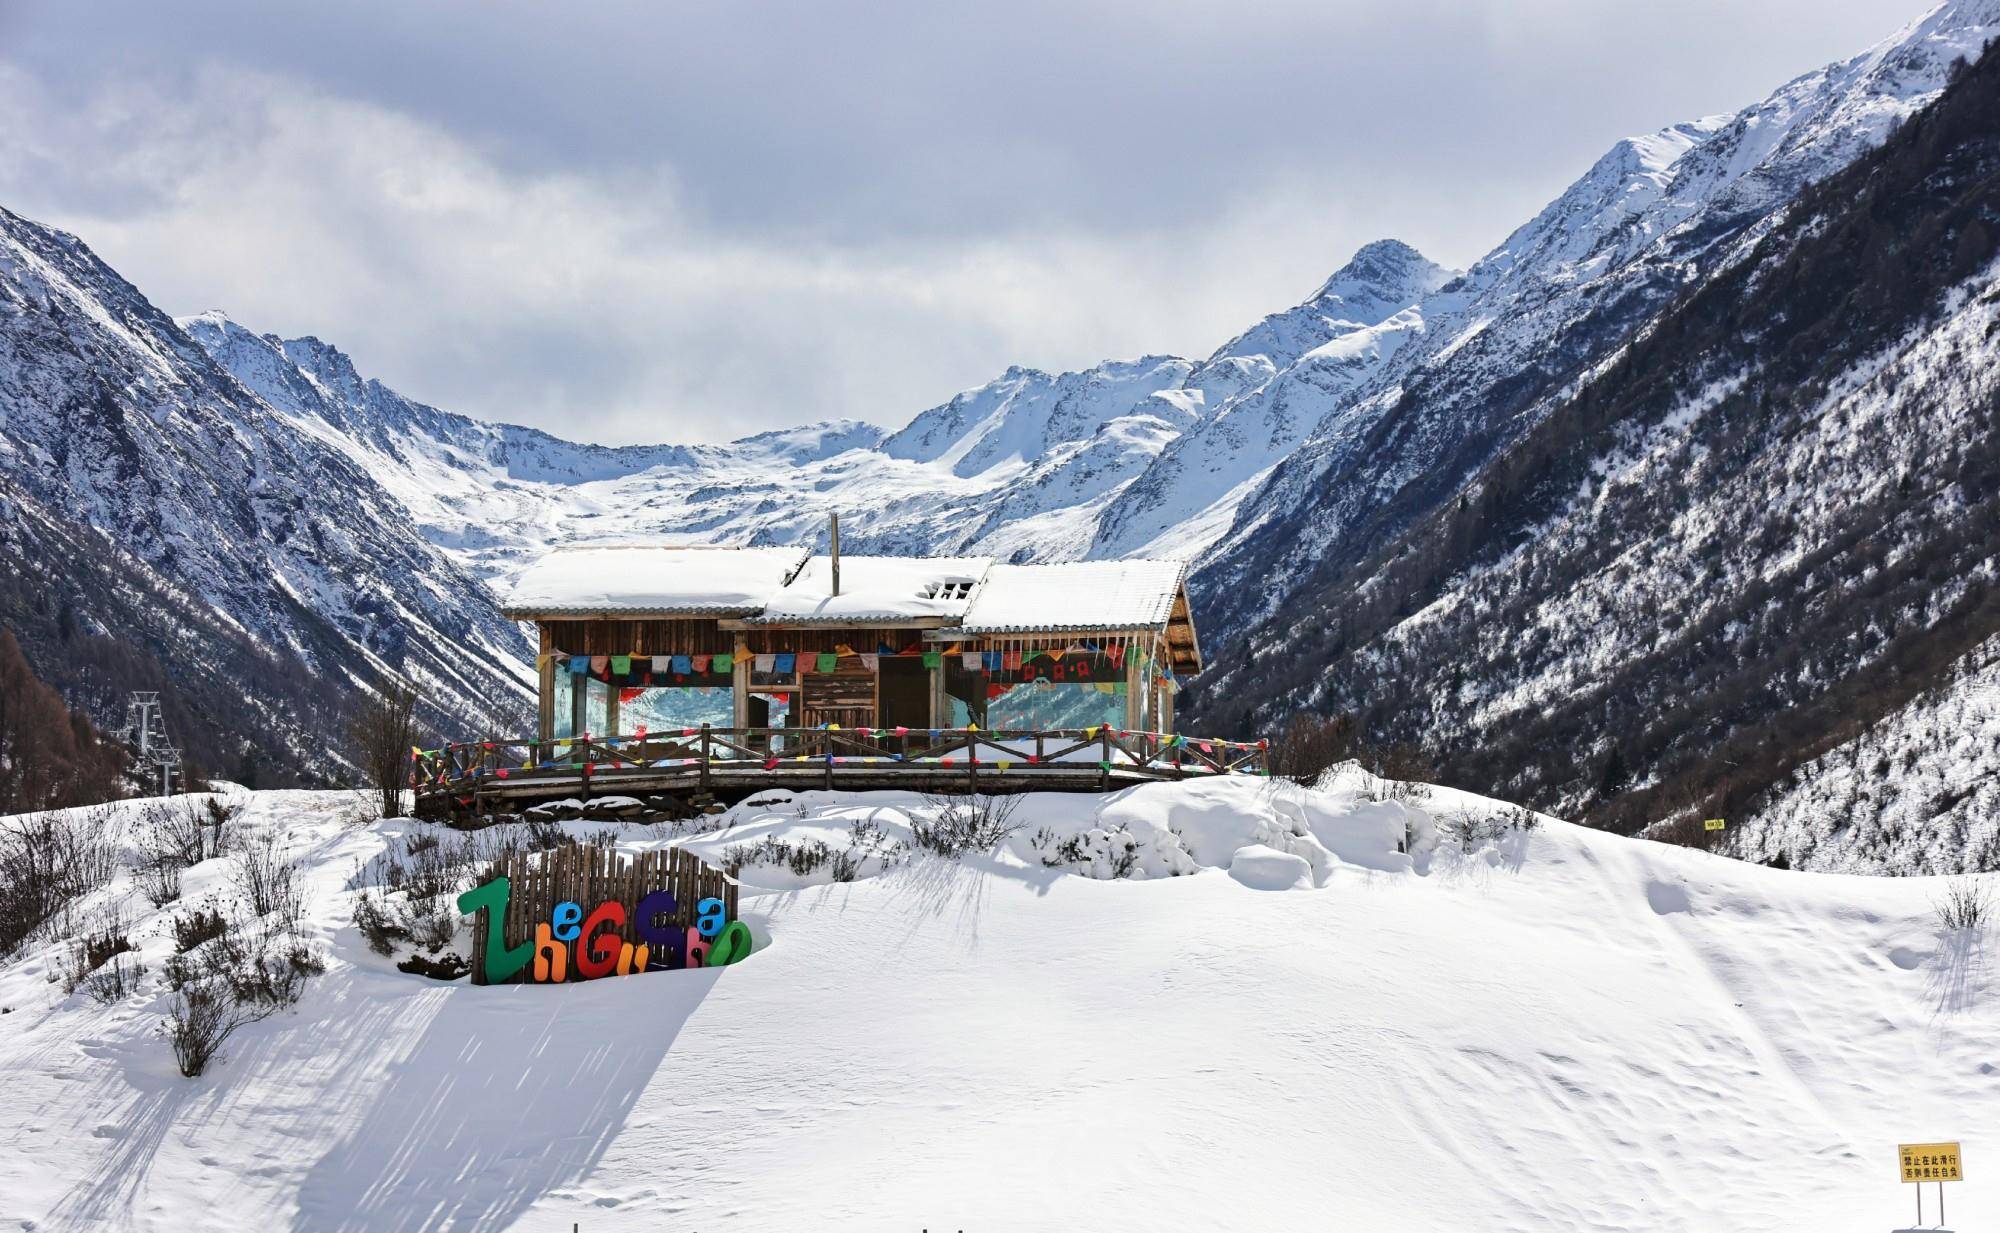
{"x":829,"y":752}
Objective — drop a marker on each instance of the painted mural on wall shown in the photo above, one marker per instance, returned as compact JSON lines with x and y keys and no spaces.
{"x":605,"y":941}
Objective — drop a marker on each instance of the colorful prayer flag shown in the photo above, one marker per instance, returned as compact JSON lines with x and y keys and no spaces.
{"x":827,"y":661}
{"x":933,"y":659}
{"x":663,"y":664}
{"x":786,"y":664}
{"x":579,"y":663}
{"x":970,"y":660}
{"x":598,"y":663}
{"x":765,"y":663}
{"x":725,"y":663}
{"x":701,"y":662}
{"x":621,"y":665}
{"x":683,"y":664}
{"x":870,"y":662}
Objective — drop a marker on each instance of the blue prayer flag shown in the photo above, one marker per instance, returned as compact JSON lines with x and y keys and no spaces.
{"x":683,"y":664}
{"x":786,"y":663}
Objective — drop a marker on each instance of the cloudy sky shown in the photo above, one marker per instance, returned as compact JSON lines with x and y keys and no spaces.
{"x":648,"y":220}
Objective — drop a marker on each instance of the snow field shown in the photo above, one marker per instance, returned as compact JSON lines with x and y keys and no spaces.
{"x":1553,"y":1029}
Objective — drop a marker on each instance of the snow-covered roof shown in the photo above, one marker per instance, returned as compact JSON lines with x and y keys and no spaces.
{"x":1076,"y":595}
{"x":785,"y":586}
{"x":587,"y":580}
{"x":878,"y":589}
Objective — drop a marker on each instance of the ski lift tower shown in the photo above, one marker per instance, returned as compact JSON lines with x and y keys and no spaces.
{"x":146,"y":731}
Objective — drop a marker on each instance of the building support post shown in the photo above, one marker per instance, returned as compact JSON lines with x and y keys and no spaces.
{"x":739,"y":679}
{"x":545,"y":710}
{"x":1135,"y":686}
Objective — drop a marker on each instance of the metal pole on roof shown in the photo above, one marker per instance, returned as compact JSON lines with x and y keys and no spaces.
{"x":833,"y":538}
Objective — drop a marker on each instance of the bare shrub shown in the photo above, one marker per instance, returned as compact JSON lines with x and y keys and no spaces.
{"x":432,"y":868}
{"x":1471,"y":828}
{"x":960,"y":824}
{"x":1310,"y":745}
{"x":197,"y":927}
{"x":1966,"y":903}
{"x":92,"y":948}
{"x":204,"y":1015}
{"x":268,"y":883}
{"x":377,"y":923}
{"x":46,"y":862}
{"x":114,"y":980}
{"x":382,"y":732}
{"x":866,"y":840}
{"x":1119,"y":848}
{"x":160,"y":882}
{"x":185,"y":831}
{"x":247,"y":972}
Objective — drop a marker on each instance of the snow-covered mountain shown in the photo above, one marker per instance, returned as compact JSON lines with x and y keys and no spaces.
{"x":1024,"y":467}
{"x":1751,"y":550}
{"x":1503,"y":345}
{"x":117,"y":426}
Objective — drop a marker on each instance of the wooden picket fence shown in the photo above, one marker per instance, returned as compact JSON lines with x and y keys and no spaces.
{"x":593,"y":873}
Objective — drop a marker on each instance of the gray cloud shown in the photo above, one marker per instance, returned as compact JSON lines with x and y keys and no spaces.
{"x":636,"y":221}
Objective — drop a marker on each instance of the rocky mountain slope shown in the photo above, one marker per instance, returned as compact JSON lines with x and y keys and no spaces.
{"x":1759,"y":528}
{"x":260,"y":569}
{"x":1023,"y":467}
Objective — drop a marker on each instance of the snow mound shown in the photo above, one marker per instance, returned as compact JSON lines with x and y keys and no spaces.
{"x":782,"y":840}
{"x":1262,"y":868}
{"x":1100,"y":1021}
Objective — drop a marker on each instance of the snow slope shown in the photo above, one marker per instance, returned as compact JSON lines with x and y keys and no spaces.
{"x":1558,"y":1029}
{"x":1919,"y":793}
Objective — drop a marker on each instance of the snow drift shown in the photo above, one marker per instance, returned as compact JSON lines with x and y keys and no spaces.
{"x":1293,"y":1009}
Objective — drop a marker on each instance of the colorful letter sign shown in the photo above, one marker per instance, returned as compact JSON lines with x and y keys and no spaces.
{"x":571,"y":945}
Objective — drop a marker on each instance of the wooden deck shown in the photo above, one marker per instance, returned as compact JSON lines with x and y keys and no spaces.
{"x":708,"y":764}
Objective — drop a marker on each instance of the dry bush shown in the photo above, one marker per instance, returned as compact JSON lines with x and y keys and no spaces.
{"x":92,"y":949}
{"x":1310,"y":745}
{"x":960,"y":824}
{"x":247,"y":972}
{"x":114,"y":980}
{"x":268,"y":883}
{"x":46,"y":862}
{"x":202,"y":1018}
{"x":382,"y":733}
{"x":1966,"y":903}
{"x":197,"y":927}
{"x":160,"y":882}
{"x":185,"y":831}
{"x":866,"y":840}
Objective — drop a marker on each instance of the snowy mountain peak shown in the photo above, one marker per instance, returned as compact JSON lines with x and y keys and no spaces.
{"x":1380,"y":280}
{"x":1382,"y":277}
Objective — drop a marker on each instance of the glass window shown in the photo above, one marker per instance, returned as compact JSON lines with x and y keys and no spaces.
{"x":673,"y":707}
{"x":1048,"y":704}
{"x":562,"y":707}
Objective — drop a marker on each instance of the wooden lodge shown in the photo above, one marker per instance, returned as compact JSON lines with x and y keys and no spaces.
{"x":711,"y":672}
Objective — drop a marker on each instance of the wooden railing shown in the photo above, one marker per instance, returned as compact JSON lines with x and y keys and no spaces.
{"x":695,"y":757}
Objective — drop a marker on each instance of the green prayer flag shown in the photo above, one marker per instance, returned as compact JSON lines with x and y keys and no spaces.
{"x":723,"y":663}
{"x":933,"y":659}
{"x":828,"y":661}
{"x":621,"y":665}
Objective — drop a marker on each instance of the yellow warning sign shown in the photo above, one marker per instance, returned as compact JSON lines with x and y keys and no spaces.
{"x":1929,"y":1162}
{"x":1712,"y":824}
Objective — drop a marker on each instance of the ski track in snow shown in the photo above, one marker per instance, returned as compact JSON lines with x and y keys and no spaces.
{"x":1562,"y":1029}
